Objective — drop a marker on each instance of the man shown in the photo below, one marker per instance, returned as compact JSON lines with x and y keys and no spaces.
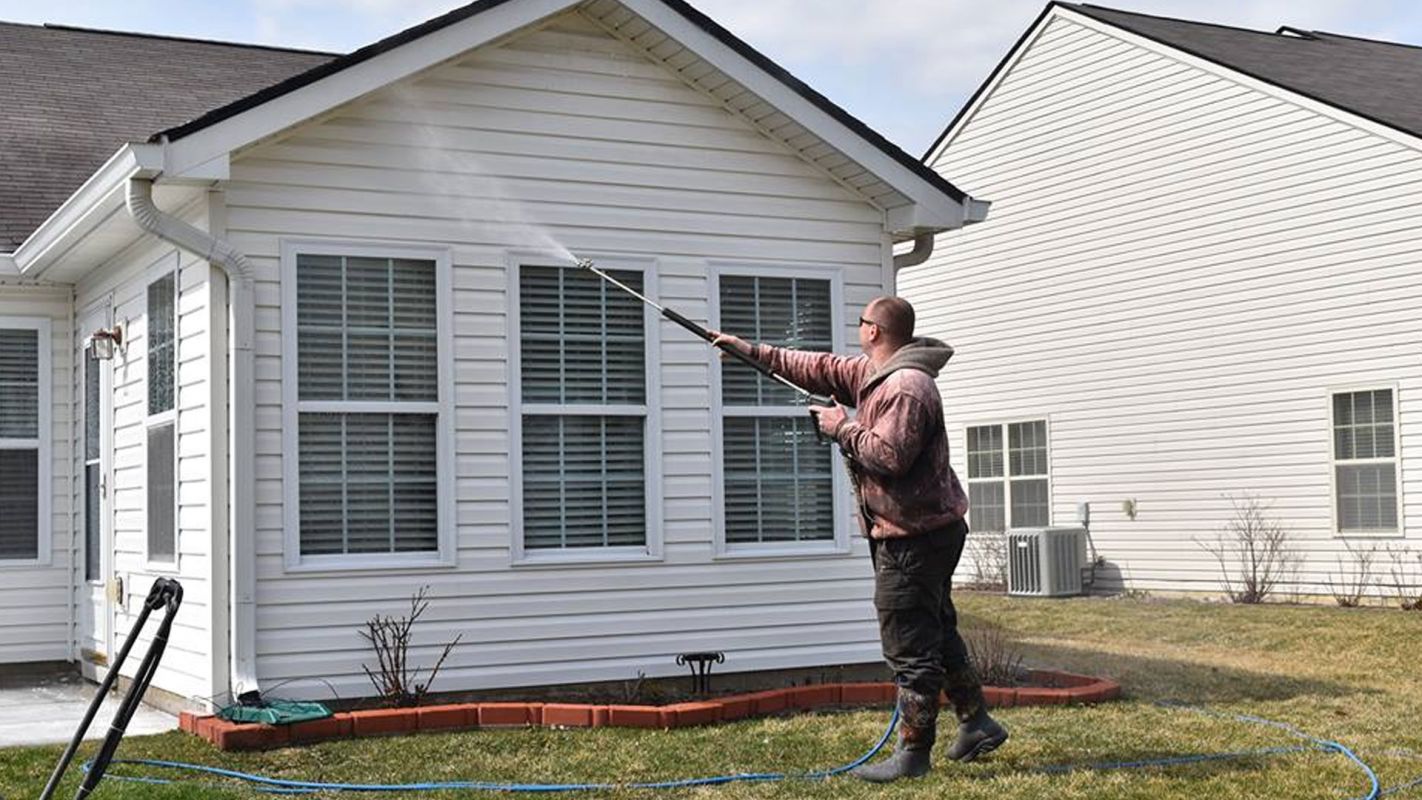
{"x":911,"y":507}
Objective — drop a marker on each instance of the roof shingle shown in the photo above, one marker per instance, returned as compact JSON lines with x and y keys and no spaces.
{"x":71,"y":97}
{"x":1381,"y":81}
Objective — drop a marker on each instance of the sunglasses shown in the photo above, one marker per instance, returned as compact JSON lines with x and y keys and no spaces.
{"x":863,"y":321}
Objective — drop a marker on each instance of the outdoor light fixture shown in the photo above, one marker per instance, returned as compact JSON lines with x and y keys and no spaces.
{"x":104,"y":341}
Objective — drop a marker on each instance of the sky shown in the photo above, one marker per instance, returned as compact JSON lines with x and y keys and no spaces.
{"x":904,"y":67}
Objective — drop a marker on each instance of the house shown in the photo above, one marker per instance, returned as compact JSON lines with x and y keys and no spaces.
{"x":303,"y":331}
{"x":1199,"y":286}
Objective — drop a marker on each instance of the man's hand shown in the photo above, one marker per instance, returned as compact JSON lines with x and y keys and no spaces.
{"x":829,"y":417}
{"x":726,"y":340}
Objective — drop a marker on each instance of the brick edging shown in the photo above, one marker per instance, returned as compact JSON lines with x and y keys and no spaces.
{"x":1071,"y":689}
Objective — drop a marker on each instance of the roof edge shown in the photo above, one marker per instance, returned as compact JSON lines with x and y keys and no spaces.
{"x":191,"y":39}
{"x":33,"y":255}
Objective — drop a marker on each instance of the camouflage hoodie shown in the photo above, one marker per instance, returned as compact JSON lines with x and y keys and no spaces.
{"x":897,"y":447}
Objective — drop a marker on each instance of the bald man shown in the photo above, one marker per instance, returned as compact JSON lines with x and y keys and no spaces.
{"x":911,"y":507}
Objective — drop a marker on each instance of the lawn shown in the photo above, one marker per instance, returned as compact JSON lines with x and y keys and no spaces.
{"x":1350,"y":675}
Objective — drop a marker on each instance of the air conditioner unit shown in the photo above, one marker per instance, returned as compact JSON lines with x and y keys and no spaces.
{"x":1045,"y":562}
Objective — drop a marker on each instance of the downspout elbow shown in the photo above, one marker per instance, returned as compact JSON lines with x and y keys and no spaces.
{"x":922,"y":249}
{"x":171,"y":229}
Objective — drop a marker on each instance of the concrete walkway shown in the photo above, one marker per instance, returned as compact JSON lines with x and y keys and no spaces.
{"x":46,"y":710}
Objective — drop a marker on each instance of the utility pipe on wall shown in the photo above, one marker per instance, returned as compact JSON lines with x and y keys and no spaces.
{"x":242,"y":416}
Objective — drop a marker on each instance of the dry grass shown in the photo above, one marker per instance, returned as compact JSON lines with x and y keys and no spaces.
{"x":1345,"y":674}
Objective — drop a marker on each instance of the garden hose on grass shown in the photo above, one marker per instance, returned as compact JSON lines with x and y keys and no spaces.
{"x":284,"y":786}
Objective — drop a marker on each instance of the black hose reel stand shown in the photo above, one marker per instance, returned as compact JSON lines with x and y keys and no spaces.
{"x":166,"y":594}
{"x":700,"y":666}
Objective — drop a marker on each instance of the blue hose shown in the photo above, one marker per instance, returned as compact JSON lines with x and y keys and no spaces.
{"x":284,"y":786}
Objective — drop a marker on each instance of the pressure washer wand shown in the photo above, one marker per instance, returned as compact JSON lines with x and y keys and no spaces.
{"x":811,"y":397}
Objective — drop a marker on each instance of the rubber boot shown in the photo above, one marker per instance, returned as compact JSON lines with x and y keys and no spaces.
{"x":918,"y":727}
{"x":978,"y":733}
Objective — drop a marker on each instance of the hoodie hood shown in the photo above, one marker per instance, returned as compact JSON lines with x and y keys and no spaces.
{"x":923,"y":354}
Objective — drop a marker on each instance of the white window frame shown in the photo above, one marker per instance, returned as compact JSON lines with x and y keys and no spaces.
{"x":843,"y":505}
{"x":654,"y":547}
{"x":447,"y":526}
{"x":169,"y":264}
{"x":1007,"y":475}
{"x":106,"y":428}
{"x":1333,"y":463}
{"x":42,"y":444}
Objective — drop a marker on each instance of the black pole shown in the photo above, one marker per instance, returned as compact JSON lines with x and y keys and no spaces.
{"x":706,"y":335}
{"x":165,"y":593}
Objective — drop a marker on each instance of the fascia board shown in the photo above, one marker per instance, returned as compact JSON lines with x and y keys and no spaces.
{"x":935,"y":209}
{"x":90,"y":204}
{"x":353,"y":82}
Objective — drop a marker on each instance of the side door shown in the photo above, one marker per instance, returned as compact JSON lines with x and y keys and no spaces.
{"x":94,"y":501}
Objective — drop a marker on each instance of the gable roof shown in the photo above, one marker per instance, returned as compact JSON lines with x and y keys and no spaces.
{"x":73,"y":96}
{"x":681,"y":7}
{"x":1379,"y":81}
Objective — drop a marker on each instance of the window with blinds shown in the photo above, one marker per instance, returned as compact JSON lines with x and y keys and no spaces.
{"x":1007,"y":476}
{"x":367,"y":354}
{"x":1365,"y":461}
{"x":778,"y":480}
{"x":21,"y":393}
{"x":162,"y":445}
{"x":583,"y":394}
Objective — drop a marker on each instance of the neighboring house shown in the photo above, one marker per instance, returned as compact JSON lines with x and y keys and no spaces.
{"x":371,"y":367}
{"x":1201,"y":282}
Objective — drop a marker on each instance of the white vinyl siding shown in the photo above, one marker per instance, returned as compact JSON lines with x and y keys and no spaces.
{"x":583,"y":399}
{"x":1008,"y":484}
{"x":367,"y":407}
{"x":1180,"y":266}
{"x":778,"y":478}
{"x":24,"y":440}
{"x":561,"y":136}
{"x":160,"y":477}
{"x":1365,"y":464}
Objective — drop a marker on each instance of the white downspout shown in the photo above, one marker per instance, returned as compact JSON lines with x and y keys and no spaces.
{"x":242,"y":417}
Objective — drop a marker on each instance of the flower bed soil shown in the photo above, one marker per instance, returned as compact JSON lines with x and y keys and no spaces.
{"x":1048,"y":687}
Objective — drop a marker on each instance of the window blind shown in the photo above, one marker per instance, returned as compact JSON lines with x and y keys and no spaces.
{"x":19,"y":504}
{"x":778,"y":481}
{"x":19,"y":383}
{"x":1365,"y":456}
{"x":582,"y":343}
{"x":367,"y":332}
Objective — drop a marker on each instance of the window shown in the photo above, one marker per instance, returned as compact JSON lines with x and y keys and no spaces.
{"x":1007,"y":476}
{"x":162,"y":419}
{"x":365,"y":396}
{"x":24,"y":440}
{"x":1365,"y":461}
{"x":584,"y":413}
{"x":778,"y":480}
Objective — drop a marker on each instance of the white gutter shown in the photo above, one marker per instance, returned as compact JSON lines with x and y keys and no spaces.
{"x":974,"y":211}
{"x":90,"y":204}
{"x":241,"y":421}
{"x":8,"y":268}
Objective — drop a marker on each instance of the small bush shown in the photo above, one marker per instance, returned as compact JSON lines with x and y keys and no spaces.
{"x":995,"y":656}
{"x":1255,"y":551}
{"x":397,"y":683}
{"x":988,"y":553}
{"x":1406,"y":586}
{"x":1355,"y":578}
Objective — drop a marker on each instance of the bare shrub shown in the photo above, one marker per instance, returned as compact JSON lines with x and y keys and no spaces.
{"x":1406,"y":586}
{"x":1355,"y":578}
{"x":397,"y":682}
{"x":995,"y":657}
{"x":1254,"y":551}
{"x":988,"y":551}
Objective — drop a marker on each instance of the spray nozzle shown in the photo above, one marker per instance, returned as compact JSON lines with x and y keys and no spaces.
{"x":585,"y":263}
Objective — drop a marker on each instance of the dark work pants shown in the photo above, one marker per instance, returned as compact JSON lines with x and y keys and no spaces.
{"x":918,"y":625}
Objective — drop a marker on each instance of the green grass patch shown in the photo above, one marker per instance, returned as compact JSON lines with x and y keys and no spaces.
{"x":1350,"y":675}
